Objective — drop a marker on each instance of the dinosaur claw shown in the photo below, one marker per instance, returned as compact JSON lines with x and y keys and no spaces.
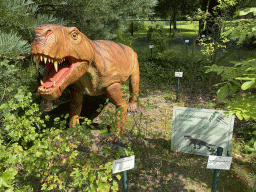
{"x":41,"y":82}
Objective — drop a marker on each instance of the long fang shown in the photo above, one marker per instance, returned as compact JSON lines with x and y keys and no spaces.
{"x":56,"y":66}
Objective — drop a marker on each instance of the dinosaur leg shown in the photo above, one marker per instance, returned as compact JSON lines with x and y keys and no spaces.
{"x":75,"y":105}
{"x":115,"y":95}
{"x":134,"y":88}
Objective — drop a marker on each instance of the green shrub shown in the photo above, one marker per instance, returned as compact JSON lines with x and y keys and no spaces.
{"x":137,"y":25}
{"x":157,"y":37}
{"x":12,"y":46}
{"x":35,"y":157}
{"x":121,"y":37}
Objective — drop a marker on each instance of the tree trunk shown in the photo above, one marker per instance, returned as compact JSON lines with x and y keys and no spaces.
{"x":170,"y":26}
{"x":201,"y":27}
{"x":174,"y":19}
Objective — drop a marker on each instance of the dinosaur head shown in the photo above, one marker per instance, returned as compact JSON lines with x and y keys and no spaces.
{"x":66,"y":53}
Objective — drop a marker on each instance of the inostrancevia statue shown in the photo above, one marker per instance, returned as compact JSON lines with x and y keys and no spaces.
{"x":92,"y":67}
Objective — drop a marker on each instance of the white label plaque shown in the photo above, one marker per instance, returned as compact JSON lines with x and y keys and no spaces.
{"x":123,"y":164}
{"x":187,"y":41}
{"x":151,"y":46}
{"x":219,"y":162}
{"x":178,"y":74}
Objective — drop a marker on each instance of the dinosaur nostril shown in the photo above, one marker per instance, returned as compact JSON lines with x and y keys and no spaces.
{"x":48,"y":31}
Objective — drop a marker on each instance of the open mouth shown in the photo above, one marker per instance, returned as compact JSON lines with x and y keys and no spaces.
{"x":56,"y":71}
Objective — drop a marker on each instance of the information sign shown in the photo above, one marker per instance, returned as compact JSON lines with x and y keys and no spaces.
{"x":187,"y":41}
{"x":151,"y":46}
{"x":201,"y":131}
{"x":123,"y":164}
{"x":219,"y":162}
{"x":178,"y":74}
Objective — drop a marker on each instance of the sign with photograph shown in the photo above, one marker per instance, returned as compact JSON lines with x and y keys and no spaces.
{"x":201,"y":131}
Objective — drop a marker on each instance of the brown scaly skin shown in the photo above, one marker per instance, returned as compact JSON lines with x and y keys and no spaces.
{"x":90,"y":67}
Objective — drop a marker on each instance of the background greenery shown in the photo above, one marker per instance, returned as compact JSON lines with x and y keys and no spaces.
{"x":37,"y":150}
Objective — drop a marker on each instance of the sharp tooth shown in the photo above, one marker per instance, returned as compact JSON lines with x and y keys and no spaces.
{"x":45,"y":60}
{"x":41,"y":58}
{"x":56,"y":66}
{"x":54,"y":85}
{"x":41,"y":82}
{"x":37,"y":65}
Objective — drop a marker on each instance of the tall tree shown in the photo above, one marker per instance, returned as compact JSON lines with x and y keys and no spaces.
{"x":167,"y":9}
{"x":98,"y":19}
{"x":17,"y":23}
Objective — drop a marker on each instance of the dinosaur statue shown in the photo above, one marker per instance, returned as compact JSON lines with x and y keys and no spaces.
{"x":92,"y":67}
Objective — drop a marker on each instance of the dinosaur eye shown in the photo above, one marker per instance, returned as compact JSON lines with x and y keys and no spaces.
{"x":74,"y":35}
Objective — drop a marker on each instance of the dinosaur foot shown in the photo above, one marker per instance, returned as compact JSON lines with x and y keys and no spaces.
{"x":132,"y":109}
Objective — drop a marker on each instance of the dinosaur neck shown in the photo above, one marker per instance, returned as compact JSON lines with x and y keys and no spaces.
{"x":89,"y":49}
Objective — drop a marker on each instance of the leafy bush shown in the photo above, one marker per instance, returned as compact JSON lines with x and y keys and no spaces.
{"x":121,"y":37}
{"x":158,"y":38}
{"x":172,"y":59}
{"x":242,"y":105}
{"x":136,"y":26}
{"x":34,"y":156}
{"x":12,"y":46}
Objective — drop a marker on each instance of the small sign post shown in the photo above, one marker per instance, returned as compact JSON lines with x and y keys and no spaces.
{"x":178,"y":75}
{"x":186,"y":42}
{"x":151,"y":48}
{"x":218,"y":162}
{"x":122,"y":165}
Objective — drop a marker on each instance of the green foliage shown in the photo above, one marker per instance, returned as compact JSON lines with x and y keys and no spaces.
{"x":7,"y":80}
{"x":98,"y":19}
{"x":241,"y":75}
{"x":20,"y":17}
{"x":35,"y":157}
{"x":123,"y":38}
{"x":158,"y":38}
{"x":12,"y":46}
{"x":136,"y":26}
{"x":243,"y":106}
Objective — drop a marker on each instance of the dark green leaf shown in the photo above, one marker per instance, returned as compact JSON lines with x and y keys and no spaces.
{"x":222,"y":92}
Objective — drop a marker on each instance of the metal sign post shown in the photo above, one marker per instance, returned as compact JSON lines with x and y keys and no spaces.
{"x":186,"y":42}
{"x":216,"y":172}
{"x":178,"y":74}
{"x":151,"y":48}
{"x":122,"y":165}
